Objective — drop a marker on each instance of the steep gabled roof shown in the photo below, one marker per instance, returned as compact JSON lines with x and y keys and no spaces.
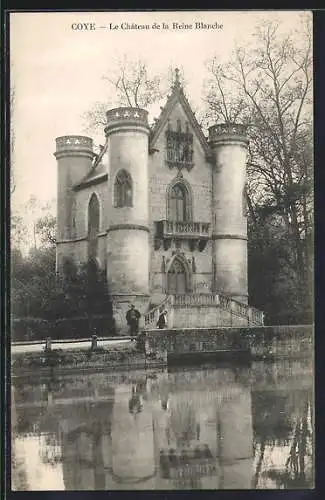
{"x":176,"y":96}
{"x":95,"y":176}
{"x":97,"y":173}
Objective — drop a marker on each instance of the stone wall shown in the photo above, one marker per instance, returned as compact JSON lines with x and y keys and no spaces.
{"x":208,"y":317}
{"x":269,"y":341}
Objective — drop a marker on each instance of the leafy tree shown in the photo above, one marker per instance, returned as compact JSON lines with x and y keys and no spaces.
{"x":45,"y":228}
{"x":18,"y":231}
{"x":269,"y":88}
{"x":38,"y":230}
{"x":32,"y":281}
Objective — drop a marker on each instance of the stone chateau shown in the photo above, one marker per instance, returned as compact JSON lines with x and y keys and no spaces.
{"x":162,"y":209}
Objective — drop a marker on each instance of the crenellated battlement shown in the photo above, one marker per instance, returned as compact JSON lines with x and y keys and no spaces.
{"x":228,"y":131}
{"x":73,"y":142}
{"x":74,"y":145}
{"x":126,"y":116}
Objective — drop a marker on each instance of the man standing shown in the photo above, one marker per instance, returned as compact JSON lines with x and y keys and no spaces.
{"x":132,"y":319}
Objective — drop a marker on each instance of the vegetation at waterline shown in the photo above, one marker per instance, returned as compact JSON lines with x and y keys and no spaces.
{"x":126,"y":355}
{"x":43,"y":305}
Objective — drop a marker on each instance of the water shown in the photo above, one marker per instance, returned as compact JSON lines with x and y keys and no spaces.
{"x":226,"y":427}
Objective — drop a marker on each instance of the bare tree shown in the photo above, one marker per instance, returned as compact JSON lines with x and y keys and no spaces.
{"x":129,"y":84}
{"x":269,"y":88}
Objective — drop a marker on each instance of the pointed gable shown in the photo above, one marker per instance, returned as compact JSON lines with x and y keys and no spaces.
{"x":98,"y":172}
{"x":178,"y":96}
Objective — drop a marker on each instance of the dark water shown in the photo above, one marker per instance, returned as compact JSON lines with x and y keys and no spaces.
{"x":228,"y":427}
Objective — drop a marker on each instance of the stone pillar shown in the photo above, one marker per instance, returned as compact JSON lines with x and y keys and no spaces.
{"x":127,"y":131}
{"x":229,"y":144}
{"x":74,"y":155}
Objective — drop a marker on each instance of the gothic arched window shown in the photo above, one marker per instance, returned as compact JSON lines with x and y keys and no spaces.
{"x":123,"y":189}
{"x":180,"y":208}
{"x":93,"y":226}
{"x":176,"y":278}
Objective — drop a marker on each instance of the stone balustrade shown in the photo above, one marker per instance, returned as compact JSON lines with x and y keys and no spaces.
{"x":188,"y":229}
{"x":216,"y":302}
{"x":151,"y":317}
{"x":196,"y":300}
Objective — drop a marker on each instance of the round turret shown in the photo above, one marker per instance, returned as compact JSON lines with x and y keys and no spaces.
{"x":126,"y":117}
{"x":229,"y":145}
{"x":71,"y":145}
{"x":74,"y":155}
{"x":127,"y":131}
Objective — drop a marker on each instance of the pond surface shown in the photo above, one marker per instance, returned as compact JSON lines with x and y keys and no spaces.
{"x":225,"y":427}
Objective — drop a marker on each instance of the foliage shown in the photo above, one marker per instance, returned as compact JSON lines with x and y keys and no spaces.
{"x":33,"y":225}
{"x":81,"y":358}
{"x":18,"y":231}
{"x":29,"y":329}
{"x":32,"y":282}
{"x":272,"y":281}
{"x":269,"y":88}
{"x":76,"y":305}
{"x":46,"y":229}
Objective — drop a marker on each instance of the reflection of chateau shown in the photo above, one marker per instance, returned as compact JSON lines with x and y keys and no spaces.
{"x":182,"y":430}
{"x":106,"y":443}
{"x":205,"y":435}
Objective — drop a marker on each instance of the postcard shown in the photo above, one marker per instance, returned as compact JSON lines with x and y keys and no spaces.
{"x":161,"y":250}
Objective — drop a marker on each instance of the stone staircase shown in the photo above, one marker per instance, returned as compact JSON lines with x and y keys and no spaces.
{"x":151,"y":317}
{"x":217,"y":302}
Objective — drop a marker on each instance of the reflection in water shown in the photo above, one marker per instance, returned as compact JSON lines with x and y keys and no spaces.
{"x":212,"y":428}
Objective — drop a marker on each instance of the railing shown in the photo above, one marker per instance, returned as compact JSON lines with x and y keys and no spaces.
{"x":236,"y":307}
{"x":196,"y":300}
{"x":257,"y":317}
{"x":182,"y":228}
{"x":151,"y":317}
{"x":253,"y":316}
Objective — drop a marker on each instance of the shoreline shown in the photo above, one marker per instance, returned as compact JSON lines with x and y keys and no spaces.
{"x":60,"y":363}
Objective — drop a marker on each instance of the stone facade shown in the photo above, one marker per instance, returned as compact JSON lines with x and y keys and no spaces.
{"x":171,"y":206}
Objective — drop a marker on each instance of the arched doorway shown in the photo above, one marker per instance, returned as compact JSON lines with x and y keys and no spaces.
{"x":176,"y":278}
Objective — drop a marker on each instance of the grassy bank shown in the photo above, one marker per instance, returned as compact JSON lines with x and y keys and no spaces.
{"x":122,"y":356}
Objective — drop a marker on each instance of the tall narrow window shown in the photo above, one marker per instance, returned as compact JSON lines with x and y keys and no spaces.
{"x":123,"y":190}
{"x":178,"y":203}
{"x":180,"y":208}
{"x":93,"y":227}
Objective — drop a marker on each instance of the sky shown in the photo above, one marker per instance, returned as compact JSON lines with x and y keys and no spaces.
{"x":56,"y":73}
